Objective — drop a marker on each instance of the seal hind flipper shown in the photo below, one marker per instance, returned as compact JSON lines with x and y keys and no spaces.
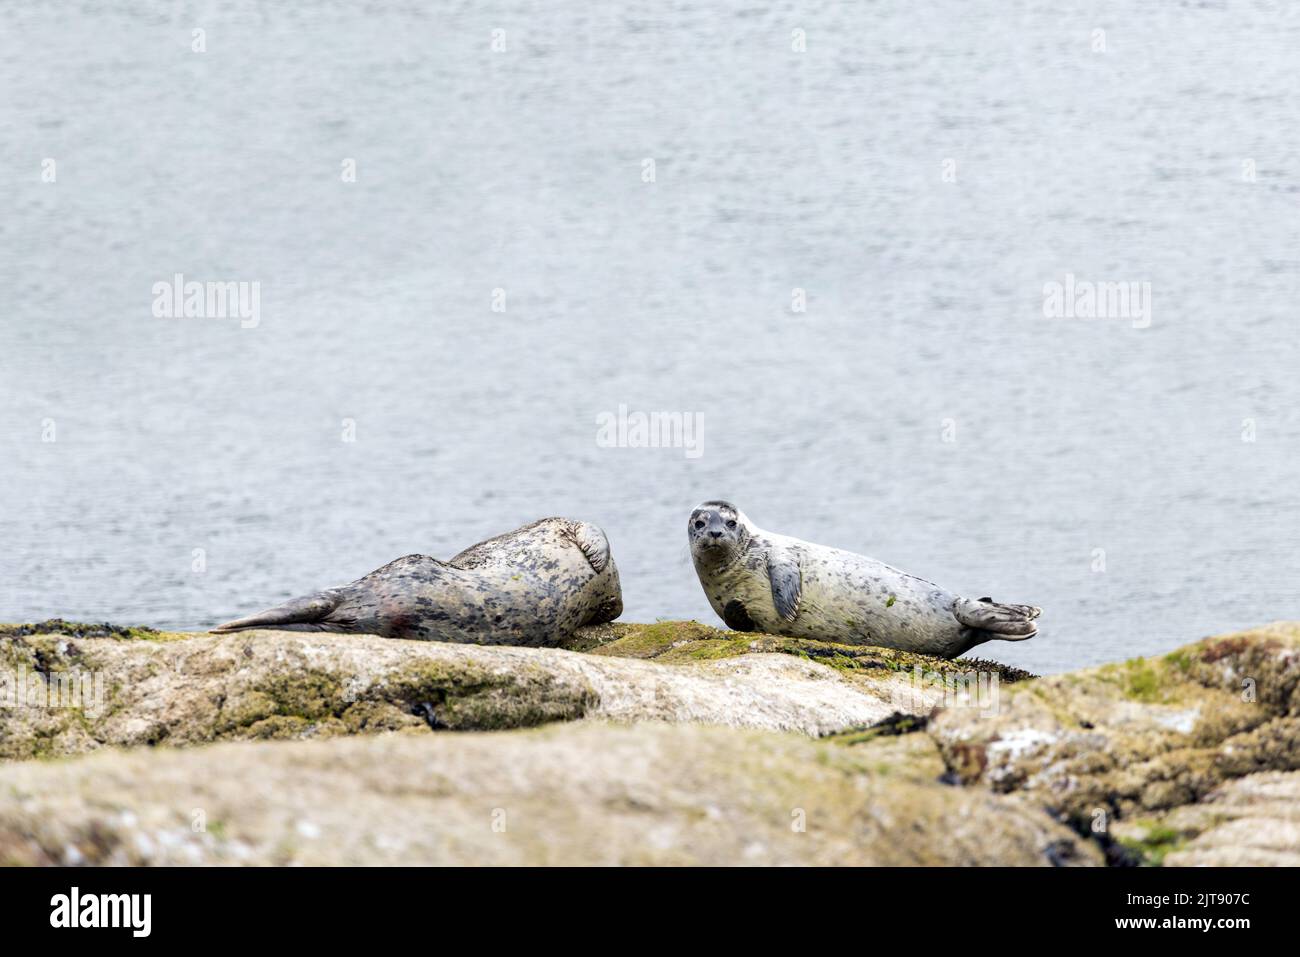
{"x":1012,"y":622}
{"x":593,"y":543}
{"x":787,"y":583}
{"x":305,"y":612}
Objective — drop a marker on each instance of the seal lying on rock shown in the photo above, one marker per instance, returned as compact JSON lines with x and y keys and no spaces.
{"x":532,"y":586}
{"x":760,"y":581}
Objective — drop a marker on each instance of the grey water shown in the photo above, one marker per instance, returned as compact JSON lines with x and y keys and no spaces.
{"x":612,"y":205}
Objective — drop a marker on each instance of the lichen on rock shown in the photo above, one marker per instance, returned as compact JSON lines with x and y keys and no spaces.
{"x":1192,"y":757}
{"x":278,"y":684}
{"x":1124,"y":744}
{"x":591,"y":793}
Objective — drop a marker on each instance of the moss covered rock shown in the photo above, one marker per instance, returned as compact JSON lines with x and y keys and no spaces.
{"x":588,"y":794}
{"x":135,"y":687}
{"x":330,"y":751}
{"x":1114,"y":749}
{"x":683,"y":641}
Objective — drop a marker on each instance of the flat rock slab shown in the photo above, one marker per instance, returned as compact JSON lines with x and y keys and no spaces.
{"x":585,"y":794}
{"x":670,"y":742}
{"x":194,"y":689}
{"x":1248,"y":822}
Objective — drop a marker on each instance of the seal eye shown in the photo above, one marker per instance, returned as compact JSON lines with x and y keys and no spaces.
{"x":699,"y":524}
{"x":731,"y":524}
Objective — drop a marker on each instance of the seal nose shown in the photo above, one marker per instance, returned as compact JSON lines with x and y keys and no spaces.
{"x":713,"y":533}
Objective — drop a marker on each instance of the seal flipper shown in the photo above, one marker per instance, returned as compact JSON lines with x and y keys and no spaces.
{"x":736,"y":617}
{"x":306,"y":611}
{"x":1011,"y":622}
{"x":593,"y":543}
{"x":787,"y":582}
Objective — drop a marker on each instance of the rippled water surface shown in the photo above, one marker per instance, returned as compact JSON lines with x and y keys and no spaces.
{"x":523,"y":170}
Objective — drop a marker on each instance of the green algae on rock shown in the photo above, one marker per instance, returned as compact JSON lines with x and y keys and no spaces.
{"x":81,"y":629}
{"x":678,"y":641}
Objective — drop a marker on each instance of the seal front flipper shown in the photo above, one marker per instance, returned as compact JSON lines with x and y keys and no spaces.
{"x":787,"y":582}
{"x":736,"y":617}
{"x":304,"y":612}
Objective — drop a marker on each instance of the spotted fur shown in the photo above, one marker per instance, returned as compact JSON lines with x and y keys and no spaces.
{"x":760,"y":581}
{"x":532,"y":586}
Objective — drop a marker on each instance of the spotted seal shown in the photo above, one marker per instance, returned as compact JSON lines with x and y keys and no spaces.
{"x":760,"y":581}
{"x":532,"y":586}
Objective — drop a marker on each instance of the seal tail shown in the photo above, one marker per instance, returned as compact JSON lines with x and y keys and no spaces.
{"x":301,"y":614}
{"x":1010,"y":622}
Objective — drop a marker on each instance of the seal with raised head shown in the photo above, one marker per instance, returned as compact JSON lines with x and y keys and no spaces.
{"x":760,"y":581}
{"x":532,"y":586}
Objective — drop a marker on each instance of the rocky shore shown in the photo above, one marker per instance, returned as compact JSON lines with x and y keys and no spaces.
{"x":664,"y":743}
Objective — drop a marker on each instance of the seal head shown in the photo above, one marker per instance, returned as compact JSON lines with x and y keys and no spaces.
{"x":719,"y":533}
